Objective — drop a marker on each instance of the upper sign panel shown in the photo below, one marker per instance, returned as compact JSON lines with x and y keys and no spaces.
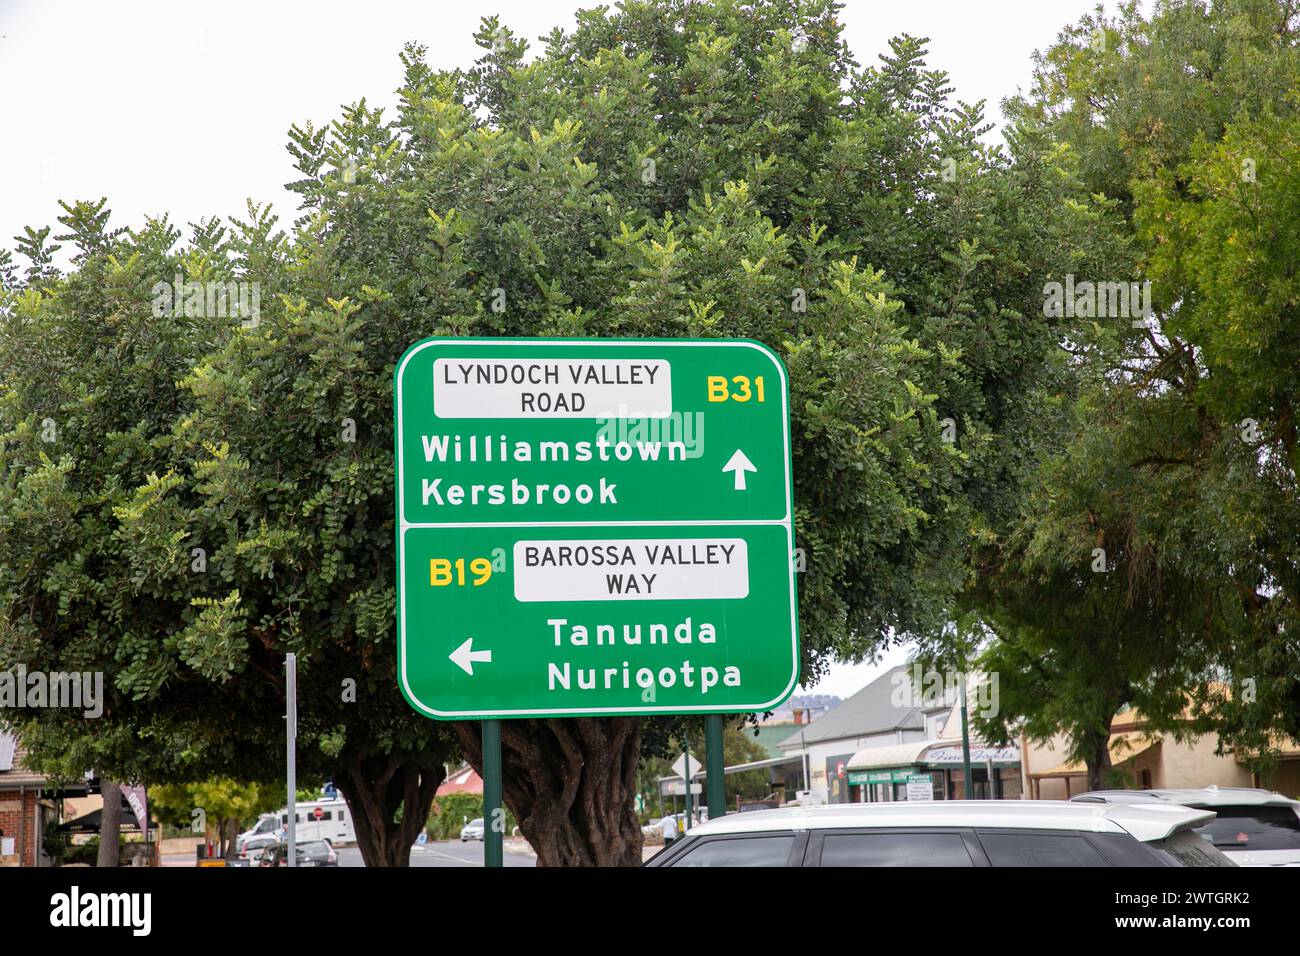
{"x":559,"y":430}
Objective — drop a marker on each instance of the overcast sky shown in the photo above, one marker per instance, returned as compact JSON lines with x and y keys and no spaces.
{"x":184,"y":107}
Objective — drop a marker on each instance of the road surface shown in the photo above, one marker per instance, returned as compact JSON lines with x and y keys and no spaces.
{"x":445,"y":853}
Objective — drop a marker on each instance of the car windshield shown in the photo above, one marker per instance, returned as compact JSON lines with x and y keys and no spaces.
{"x":476,"y":822}
{"x":1253,"y":828}
{"x":1191,"y":850}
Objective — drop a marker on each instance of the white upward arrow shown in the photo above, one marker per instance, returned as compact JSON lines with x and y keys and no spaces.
{"x":740,"y":464}
{"x":465,"y":656}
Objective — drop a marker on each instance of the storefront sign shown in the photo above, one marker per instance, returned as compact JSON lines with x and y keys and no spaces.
{"x":920,"y":787}
{"x":948,"y":756}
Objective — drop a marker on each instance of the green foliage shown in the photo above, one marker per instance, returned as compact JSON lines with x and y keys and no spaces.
{"x":738,"y":746}
{"x":682,"y":169}
{"x":56,"y":843}
{"x":1177,"y":452}
{"x":86,"y":854}
{"x":451,"y":812}
{"x":221,"y":799}
{"x":668,"y":168}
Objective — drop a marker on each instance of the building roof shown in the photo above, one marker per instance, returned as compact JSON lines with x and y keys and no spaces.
{"x":869,"y":711}
{"x":464,"y":780}
{"x":769,"y":735}
{"x":13,"y":775}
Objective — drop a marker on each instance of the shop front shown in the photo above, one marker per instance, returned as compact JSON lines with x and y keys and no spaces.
{"x":933,"y":770}
{"x":886,"y":786}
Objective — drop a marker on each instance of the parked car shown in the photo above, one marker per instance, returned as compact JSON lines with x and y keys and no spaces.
{"x":267,"y":825}
{"x":254,"y":847}
{"x":472,"y":830}
{"x":951,"y":833}
{"x":1251,"y":827}
{"x":311,"y":853}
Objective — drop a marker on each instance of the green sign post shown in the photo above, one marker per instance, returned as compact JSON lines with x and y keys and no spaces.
{"x":593,"y":527}
{"x":589,"y":528}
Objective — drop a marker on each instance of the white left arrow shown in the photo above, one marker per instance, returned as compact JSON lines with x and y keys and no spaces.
{"x":465,"y":657}
{"x":739,"y":463}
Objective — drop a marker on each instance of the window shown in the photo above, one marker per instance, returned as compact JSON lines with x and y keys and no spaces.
{"x":1253,"y":828}
{"x":1039,"y":849}
{"x":895,"y":849}
{"x":1009,"y":783}
{"x":341,"y":816}
{"x":744,"y":851}
{"x":1190,"y":850}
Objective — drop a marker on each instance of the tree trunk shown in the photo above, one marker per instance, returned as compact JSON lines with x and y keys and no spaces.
{"x":1097,"y":761}
{"x":110,"y":824}
{"x":570,"y":784}
{"x":227,"y":831}
{"x":376,"y":788}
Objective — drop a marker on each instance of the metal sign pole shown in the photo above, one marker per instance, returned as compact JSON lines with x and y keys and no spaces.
{"x":965,"y":745}
{"x":291,"y":746}
{"x":493,"y":817}
{"x":686,"y":821}
{"x":713,"y":763}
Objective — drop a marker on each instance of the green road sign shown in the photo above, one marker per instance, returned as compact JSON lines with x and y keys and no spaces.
{"x":589,"y":527}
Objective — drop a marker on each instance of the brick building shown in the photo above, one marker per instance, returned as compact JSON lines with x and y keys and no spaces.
{"x":24,"y":808}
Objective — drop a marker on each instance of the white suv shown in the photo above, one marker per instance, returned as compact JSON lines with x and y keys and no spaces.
{"x":962,"y":833}
{"x":1251,"y":827}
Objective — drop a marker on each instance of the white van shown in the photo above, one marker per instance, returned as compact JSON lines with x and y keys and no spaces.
{"x":324,"y":819}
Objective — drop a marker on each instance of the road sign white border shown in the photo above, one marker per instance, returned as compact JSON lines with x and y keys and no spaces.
{"x":404,"y":526}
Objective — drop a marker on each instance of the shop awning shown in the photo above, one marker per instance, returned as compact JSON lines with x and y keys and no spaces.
{"x":893,"y":755}
{"x":93,"y":821}
{"x":1123,"y":747}
{"x":932,"y":753}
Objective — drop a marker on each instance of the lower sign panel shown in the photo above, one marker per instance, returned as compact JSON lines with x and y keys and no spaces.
{"x":546,"y":622}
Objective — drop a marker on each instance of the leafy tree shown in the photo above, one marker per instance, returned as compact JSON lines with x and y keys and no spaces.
{"x":226,"y":804}
{"x":1178,"y":455}
{"x":738,"y":747}
{"x":675,"y":168}
{"x":669,"y":168}
{"x":1086,"y":614}
{"x":87,"y":387}
{"x":125,"y":552}
{"x":451,"y":812}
